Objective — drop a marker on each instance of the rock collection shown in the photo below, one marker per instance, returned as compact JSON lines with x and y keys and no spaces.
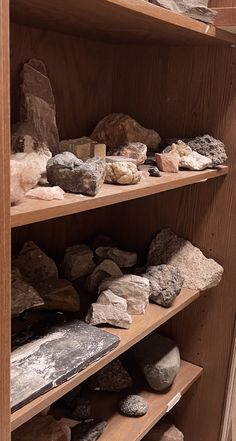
{"x":133,"y":405}
{"x":166,"y":282}
{"x":196,"y":9}
{"x":124,"y":259}
{"x":164,"y":432}
{"x":112,"y":378}
{"x":189,"y":159}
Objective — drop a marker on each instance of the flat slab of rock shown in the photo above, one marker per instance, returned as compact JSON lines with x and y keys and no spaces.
{"x":107,"y":268}
{"x":166,"y":282}
{"x":42,"y":428}
{"x":88,"y":431}
{"x":159,"y":360}
{"x":167,"y":163}
{"x":164,"y":432}
{"x":78,"y":262}
{"x":133,"y":405}
{"x":124,"y":259}
{"x":59,"y":295}
{"x":196,"y":9}
{"x":134,"y":150}
{"x":110,"y":314}
{"x":122,"y":173}
{"x":54,"y":358}
{"x":112,"y":378}
{"x":210,"y":147}
{"x":198,"y":271}
{"x":23,"y":295}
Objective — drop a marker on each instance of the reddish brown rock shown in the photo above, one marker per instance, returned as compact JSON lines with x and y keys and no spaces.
{"x":42,"y":428}
{"x":167,"y":163}
{"x":59,"y":295}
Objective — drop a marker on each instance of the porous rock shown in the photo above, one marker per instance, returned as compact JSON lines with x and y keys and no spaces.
{"x":78,"y":262}
{"x":82,"y":409}
{"x":118,"y":129}
{"x":88,"y":431}
{"x":74,"y":175}
{"x":123,"y":259}
{"x":46,"y":193}
{"x":167,"y":163}
{"x":113,"y":315}
{"x":23,"y":295}
{"x":188,"y":158}
{"x":107,"y":268}
{"x":196,"y":9}
{"x":123,"y":173}
{"x":210,"y":147}
{"x":164,"y":432}
{"x":112,"y":378}
{"x":198,"y":271}
{"x":134,"y":150}
{"x":42,"y":428}
{"x":59,"y":295}
{"x":134,"y":289}
{"x":133,"y":405}
{"x":166,"y":282}
{"x":159,"y":360}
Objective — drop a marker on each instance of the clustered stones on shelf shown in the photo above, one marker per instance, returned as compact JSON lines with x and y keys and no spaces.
{"x":44,"y":167}
{"x":196,"y":9}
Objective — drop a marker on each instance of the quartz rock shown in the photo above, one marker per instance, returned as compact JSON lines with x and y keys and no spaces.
{"x":210,"y":147}
{"x":196,"y":9}
{"x":164,"y":432}
{"x":59,"y":295}
{"x":82,"y":410}
{"x":112,"y":378}
{"x":123,"y":173}
{"x":118,"y":129}
{"x":42,"y":428}
{"x":107,"y":268}
{"x":198,"y":271}
{"x":167,"y":163}
{"x":154,"y":172}
{"x":78,"y":262}
{"x":23,"y":295}
{"x":166,"y":282}
{"x":133,"y":405}
{"x":108,"y":298}
{"x":113,"y":315}
{"x":178,"y":148}
{"x":195,"y":161}
{"x":159,"y":360}
{"x":88,"y":431}
{"x":46,"y":193}
{"x":134,"y":289}
{"x":123,"y":259}
{"x":134,"y":150}
{"x":74,"y":175}
{"x":115,"y":159}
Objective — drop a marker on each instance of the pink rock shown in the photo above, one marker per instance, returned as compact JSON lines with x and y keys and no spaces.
{"x":46,"y":193}
{"x":167,"y":163}
{"x":164,"y":432}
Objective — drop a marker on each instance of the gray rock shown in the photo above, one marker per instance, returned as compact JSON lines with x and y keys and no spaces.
{"x":78,"y":262}
{"x":23,"y":295}
{"x":133,"y":405}
{"x":165,"y":283}
{"x":159,"y":359}
{"x":111,"y":378}
{"x":107,"y":268}
{"x":88,"y":431}
{"x":198,"y":271}
{"x":42,"y":428}
{"x":59,"y":295}
{"x":122,"y":173}
{"x":164,"y":432}
{"x":123,"y":259}
{"x":110,"y":314}
{"x":196,"y":9}
{"x":82,"y":410}
{"x":208,"y":146}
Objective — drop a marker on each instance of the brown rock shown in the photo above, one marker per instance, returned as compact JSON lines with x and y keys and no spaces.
{"x":83,"y":148}
{"x":112,"y":378}
{"x":23,"y":295}
{"x":78,"y":262}
{"x":134,"y":150}
{"x":107,"y":268}
{"x":123,"y":259}
{"x":42,"y":428}
{"x":123,"y":173}
{"x":164,"y":432}
{"x":113,"y":315}
{"x":196,"y":9}
{"x":167,"y":163}
{"x":59,"y":295}
{"x":24,"y":139}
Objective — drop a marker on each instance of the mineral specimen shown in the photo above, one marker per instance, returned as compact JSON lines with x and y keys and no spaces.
{"x":118,"y":129}
{"x":154,"y":172}
{"x":78,"y":262}
{"x":133,"y":405}
{"x":42,"y":428}
{"x":187,"y":157}
{"x":88,"y":431}
{"x":46,"y":193}
{"x":167,"y":163}
{"x":210,"y":147}
{"x":159,"y":360}
{"x":123,"y":259}
{"x":59,"y":295}
{"x":196,"y":9}
{"x":178,"y":148}
{"x":110,"y":314}
{"x":107,"y":268}
{"x":123,"y":173}
{"x":23,"y":295}
{"x":198,"y":271}
{"x":134,"y":150}
{"x":166,"y":282}
{"x":82,"y":409}
{"x":164,"y":432}
{"x":112,"y":378}
{"x":74,"y":175}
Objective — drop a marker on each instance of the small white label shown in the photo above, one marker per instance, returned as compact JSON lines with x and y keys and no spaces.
{"x":173,"y":402}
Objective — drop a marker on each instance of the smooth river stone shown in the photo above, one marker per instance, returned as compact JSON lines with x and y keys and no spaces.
{"x":88,"y":431}
{"x":134,"y":150}
{"x":196,"y":9}
{"x":51,"y":360}
{"x":59,"y":295}
{"x":107,"y":268}
{"x":23,"y":295}
{"x":198,"y":271}
{"x":124,"y":259}
{"x":133,"y":405}
{"x":108,"y":314}
{"x":42,"y":428}
{"x":208,"y":146}
{"x":122,"y":173}
{"x":46,"y":193}
{"x":166,"y":282}
{"x":164,"y":432}
{"x":78,"y":262}
{"x":112,"y":378}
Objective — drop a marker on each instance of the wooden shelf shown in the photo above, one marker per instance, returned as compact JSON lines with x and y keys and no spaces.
{"x":32,"y":210}
{"x":117,"y":20}
{"x":142,"y":325}
{"x":226,"y":18}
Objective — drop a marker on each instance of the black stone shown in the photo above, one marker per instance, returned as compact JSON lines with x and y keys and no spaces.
{"x":154,"y":172}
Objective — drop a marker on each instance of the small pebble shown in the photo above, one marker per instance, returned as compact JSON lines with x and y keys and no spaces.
{"x":154,"y":172}
{"x":133,"y":405}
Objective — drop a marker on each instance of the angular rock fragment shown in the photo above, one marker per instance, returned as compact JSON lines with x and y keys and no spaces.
{"x":124,"y":259}
{"x":107,"y":268}
{"x":113,"y":315}
{"x":154,"y":172}
{"x":108,"y":298}
{"x":166,"y":282}
{"x":134,"y":289}
{"x":118,"y":129}
{"x":24,"y":139}
{"x":82,"y":409}
{"x":78,"y":262}
{"x":74,"y":175}
{"x":196,"y":9}
{"x":198,"y":271}
{"x":83,"y":148}
{"x":159,"y":360}
{"x":134,"y":150}
{"x":210,"y":147}
{"x":187,"y":157}
{"x":42,"y":428}
{"x":46,"y":193}
{"x":23,"y":295}
{"x":59,"y":295}
{"x":123,"y":173}
{"x":112,"y":378}
{"x":167,"y":163}
{"x":164,"y":432}
{"x":133,"y":405}
{"x":88,"y":431}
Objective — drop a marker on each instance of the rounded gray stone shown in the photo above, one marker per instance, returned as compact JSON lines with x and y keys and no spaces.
{"x":133,"y":405}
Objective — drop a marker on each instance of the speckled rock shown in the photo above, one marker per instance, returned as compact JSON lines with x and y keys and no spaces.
{"x":166,"y":282}
{"x":46,"y":193}
{"x":107,"y":268}
{"x":123,"y":173}
{"x":111,"y":378}
{"x":134,"y":150}
{"x":76,"y":176}
{"x":159,"y":359}
{"x":42,"y":428}
{"x":164,"y":432}
{"x":78,"y":262}
{"x":154,"y":172}
{"x":23,"y":295}
{"x":196,"y":9}
{"x":198,"y":271}
{"x":59,"y":295}
{"x":82,"y":409}
{"x":110,"y":314}
{"x":134,"y":289}
{"x":118,"y":129}
{"x":124,"y":259}
{"x":133,"y":405}
{"x":167,"y":163}
{"x":88,"y":431}
{"x":212,"y":148}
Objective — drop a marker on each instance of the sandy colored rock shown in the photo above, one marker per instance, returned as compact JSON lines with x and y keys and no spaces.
{"x":210,"y":147}
{"x":88,"y":431}
{"x":83,"y":148}
{"x":76,"y":176}
{"x":164,"y":432}
{"x":198,"y":271}
{"x":134,"y":150}
{"x":124,"y":259}
{"x":46,"y":193}
{"x":196,"y":9}
{"x":134,"y":289}
{"x":59,"y":295}
{"x":178,"y":148}
{"x":107,"y":268}
{"x":42,"y":428}
{"x":188,"y":158}
{"x":23,"y":295}
{"x":159,"y":360}
{"x":78,"y":262}
{"x":123,"y":173}
{"x":166,"y":282}
{"x":118,"y":129}
{"x":112,"y":378}
{"x":167,"y":163}
{"x":133,"y":405}
{"x":113,"y":315}
{"x":115,"y":159}
{"x":108,"y":298}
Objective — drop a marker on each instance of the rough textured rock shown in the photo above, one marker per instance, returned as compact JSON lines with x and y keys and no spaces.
{"x":134,"y":150}
{"x":118,"y":129}
{"x":46,"y":193}
{"x":107,"y":268}
{"x":159,"y":359}
{"x":42,"y":428}
{"x":124,"y":259}
{"x":117,"y":159}
{"x":83,"y":148}
{"x":82,"y":409}
{"x":59,"y":295}
{"x":108,"y":298}
{"x":166,"y":282}
{"x":38,"y":105}
{"x":88,"y":431}
{"x":34,"y":265}
{"x":113,"y":315}
{"x":76,"y":176}
{"x":187,"y":157}
{"x":133,"y":405}
{"x":78,"y":262}
{"x":164,"y":432}
{"x":178,"y":148}
{"x":24,"y":139}
{"x":196,"y":9}
{"x":167,"y":163}
{"x":134,"y":289}
{"x":112,"y":378}
{"x":123,"y":173}
{"x":212,"y":148}
{"x":154,"y":172}
{"x":23,"y":295}
{"x":198,"y":271}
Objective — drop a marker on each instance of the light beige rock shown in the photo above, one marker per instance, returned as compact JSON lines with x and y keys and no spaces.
{"x":83,"y":148}
{"x":78,"y":262}
{"x":107,"y":268}
{"x":108,"y":298}
{"x":112,"y":159}
{"x":124,"y":259}
{"x":59,"y":295}
{"x":134,"y":150}
{"x":196,"y":9}
{"x":46,"y":193}
{"x":195,"y":161}
{"x":179,"y":149}
{"x":198,"y":271}
{"x":23,"y":295}
{"x":134,"y":289}
{"x":118,"y":129}
{"x":167,"y":163}
{"x":113,"y":315}
{"x":164,"y":432}
{"x":123,"y":173}
{"x":42,"y":428}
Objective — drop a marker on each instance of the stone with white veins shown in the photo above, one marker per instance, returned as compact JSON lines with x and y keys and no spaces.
{"x":107,"y":268}
{"x":112,"y":378}
{"x":166,"y":282}
{"x":113,"y":315}
{"x":23,"y":295}
{"x":42,"y":428}
{"x":124,"y":259}
{"x":78,"y":262}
